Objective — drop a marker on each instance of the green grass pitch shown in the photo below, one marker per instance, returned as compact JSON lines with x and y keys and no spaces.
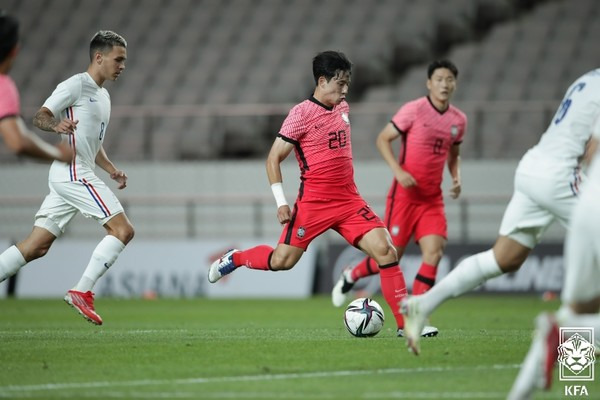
{"x":260,"y":349}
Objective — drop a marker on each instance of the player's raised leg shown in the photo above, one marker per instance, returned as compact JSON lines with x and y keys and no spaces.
{"x":36,"y":245}
{"x":261,"y":257}
{"x":467,"y":275}
{"x":222,"y":266}
{"x":11,"y":260}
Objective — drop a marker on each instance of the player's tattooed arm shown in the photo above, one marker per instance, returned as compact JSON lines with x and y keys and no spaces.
{"x":44,"y":120}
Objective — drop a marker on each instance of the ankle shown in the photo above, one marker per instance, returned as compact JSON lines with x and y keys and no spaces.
{"x":348,"y":275}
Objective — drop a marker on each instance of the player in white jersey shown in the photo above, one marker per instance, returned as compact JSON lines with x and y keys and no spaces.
{"x":79,"y":109}
{"x":581,"y":293}
{"x":545,"y":189}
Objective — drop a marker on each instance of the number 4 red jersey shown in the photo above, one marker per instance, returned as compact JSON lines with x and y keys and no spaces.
{"x":427,"y":136}
{"x":323,"y":147}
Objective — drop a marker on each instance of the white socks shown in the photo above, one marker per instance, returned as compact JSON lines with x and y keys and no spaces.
{"x":467,"y":275}
{"x":102,"y":259}
{"x":10,"y":262}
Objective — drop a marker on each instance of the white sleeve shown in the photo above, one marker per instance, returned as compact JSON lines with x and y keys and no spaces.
{"x":64,"y":96}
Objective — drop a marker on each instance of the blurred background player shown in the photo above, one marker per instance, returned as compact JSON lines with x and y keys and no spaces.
{"x":16,"y":136}
{"x":318,"y":129}
{"x":79,"y":108}
{"x":546,"y":187}
{"x":432,"y":131}
{"x":581,"y":293}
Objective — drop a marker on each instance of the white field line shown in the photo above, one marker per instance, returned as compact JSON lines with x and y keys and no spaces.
{"x":115,"y":332}
{"x":243,"y":378}
{"x":274,"y":395}
{"x":279,"y":395}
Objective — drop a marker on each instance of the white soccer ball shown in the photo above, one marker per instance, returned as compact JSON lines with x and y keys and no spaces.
{"x":364,"y":317}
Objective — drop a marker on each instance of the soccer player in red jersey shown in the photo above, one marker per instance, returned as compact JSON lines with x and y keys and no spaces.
{"x":431,"y":130}
{"x":318,"y":130}
{"x":546,"y":189}
{"x":17,"y":137}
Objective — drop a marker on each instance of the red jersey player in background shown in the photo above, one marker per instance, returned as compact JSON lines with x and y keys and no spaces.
{"x":431,"y":130}
{"x":15,"y":134}
{"x":318,"y":130}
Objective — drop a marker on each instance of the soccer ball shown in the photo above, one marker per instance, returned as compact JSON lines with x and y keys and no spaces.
{"x":364,"y":317}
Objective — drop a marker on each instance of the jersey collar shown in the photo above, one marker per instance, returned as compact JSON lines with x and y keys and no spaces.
{"x":317,"y":102}
{"x":435,"y":108}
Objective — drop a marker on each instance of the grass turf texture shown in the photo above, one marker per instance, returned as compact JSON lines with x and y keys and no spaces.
{"x":260,"y":349}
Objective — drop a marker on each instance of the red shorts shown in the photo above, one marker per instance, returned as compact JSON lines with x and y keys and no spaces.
{"x":405,"y":219}
{"x":351,"y":217}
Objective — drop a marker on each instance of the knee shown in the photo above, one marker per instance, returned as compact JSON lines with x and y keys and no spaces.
{"x":124,"y":233}
{"x":510,"y":254}
{"x":31,"y":253}
{"x":587,"y":307}
{"x":433,"y":256}
{"x":128,"y":234}
{"x":509,"y":262}
{"x":384,"y":252}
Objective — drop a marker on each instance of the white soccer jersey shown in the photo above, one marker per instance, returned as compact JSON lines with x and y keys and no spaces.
{"x":582,"y":247}
{"x":562,"y":145}
{"x":80,"y":98}
{"x":594,"y":170}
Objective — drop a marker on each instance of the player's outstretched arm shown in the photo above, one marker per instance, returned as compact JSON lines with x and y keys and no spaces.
{"x":22,"y":141}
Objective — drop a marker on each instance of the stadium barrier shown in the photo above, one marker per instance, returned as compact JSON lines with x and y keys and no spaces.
{"x":161,"y":269}
{"x":177,"y":269}
{"x":543,"y":271}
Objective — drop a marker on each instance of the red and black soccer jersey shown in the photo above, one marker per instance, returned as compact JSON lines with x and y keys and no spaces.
{"x":427,"y":135}
{"x":323,"y":147}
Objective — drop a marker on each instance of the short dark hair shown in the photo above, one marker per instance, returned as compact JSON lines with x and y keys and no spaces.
{"x":442,"y":64}
{"x":104,"y":41}
{"x":329,"y":63}
{"x":9,"y":34}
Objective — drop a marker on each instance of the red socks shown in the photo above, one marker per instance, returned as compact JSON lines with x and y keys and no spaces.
{"x":258,"y":257}
{"x":366,"y":267}
{"x":393,"y":289}
{"x":424,"y":279}
{"x":392,"y":279}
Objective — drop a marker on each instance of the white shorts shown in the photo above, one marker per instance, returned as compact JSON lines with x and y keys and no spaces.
{"x":535,"y":204}
{"x":91,"y":197}
{"x":582,"y":250}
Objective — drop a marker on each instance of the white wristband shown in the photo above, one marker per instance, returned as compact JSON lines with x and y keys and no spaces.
{"x":277,"y":189}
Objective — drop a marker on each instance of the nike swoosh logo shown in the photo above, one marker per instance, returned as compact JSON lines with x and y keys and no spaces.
{"x":106,"y":266}
{"x":92,"y":100}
